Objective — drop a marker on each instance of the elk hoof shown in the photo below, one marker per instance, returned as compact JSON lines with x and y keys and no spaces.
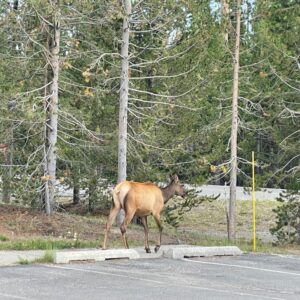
{"x":156,"y":248}
{"x":148,"y":250}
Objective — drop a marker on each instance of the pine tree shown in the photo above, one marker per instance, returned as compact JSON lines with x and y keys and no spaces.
{"x":287,"y":228}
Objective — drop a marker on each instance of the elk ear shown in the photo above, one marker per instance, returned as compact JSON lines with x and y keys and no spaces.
{"x":174,"y":178}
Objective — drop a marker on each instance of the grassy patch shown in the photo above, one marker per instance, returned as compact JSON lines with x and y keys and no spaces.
{"x":46,"y":244}
{"x":210,"y":218}
{"x":3,"y":238}
{"x":46,"y":259}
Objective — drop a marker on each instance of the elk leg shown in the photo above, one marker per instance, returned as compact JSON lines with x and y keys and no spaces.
{"x":123,"y":227}
{"x":146,"y":230}
{"x":157,"y":220}
{"x":112,"y":215}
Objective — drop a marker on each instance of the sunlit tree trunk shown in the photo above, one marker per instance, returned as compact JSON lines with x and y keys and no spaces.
{"x":234,"y":128}
{"x":52,"y":110}
{"x":225,"y":18}
{"x":8,"y":153}
{"x":124,"y":87}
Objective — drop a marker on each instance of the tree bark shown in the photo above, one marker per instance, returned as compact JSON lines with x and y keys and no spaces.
{"x":52,"y":110}
{"x":225,"y":19}
{"x":7,"y":174}
{"x":92,"y":190}
{"x":8,"y":152}
{"x":124,"y":87}
{"x":76,"y":189}
{"x":234,"y":127}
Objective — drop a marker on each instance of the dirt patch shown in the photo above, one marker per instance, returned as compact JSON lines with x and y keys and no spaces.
{"x":18,"y":223}
{"x":25,"y":222}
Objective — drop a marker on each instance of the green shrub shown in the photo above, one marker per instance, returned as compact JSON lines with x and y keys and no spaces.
{"x":173,"y":213}
{"x":287,"y":228}
{"x":3,"y":238}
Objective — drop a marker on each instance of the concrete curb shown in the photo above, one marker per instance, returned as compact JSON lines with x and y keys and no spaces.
{"x":15,"y":257}
{"x":179,"y":253}
{"x":66,"y":256}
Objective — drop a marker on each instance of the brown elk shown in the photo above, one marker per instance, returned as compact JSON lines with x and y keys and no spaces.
{"x":141,"y":200}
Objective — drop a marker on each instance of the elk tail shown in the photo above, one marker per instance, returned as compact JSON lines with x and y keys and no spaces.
{"x":119,"y":195}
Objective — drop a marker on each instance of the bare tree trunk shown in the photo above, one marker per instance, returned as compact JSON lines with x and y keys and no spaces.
{"x":122,"y":142}
{"x":52,"y":110}
{"x":225,"y":18}
{"x":76,"y":189}
{"x":93,"y":189}
{"x":45,"y":190}
{"x":234,"y":127}
{"x":7,"y":174}
{"x":8,"y":151}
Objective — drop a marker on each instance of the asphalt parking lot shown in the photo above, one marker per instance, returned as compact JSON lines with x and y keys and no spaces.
{"x":246,"y":276}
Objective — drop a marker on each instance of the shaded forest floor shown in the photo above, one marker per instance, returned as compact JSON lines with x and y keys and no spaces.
{"x":205,"y":225}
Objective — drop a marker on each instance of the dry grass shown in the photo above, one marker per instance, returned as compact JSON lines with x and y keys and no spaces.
{"x":210,"y":219}
{"x":22,"y":228}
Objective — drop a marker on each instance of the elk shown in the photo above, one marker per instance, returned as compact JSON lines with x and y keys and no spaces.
{"x":141,"y":200}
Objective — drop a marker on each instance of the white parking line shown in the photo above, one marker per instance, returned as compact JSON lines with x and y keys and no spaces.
{"x":231,"y":292}
{"x":211,"y":289}
{"x":9,"y":296}
{"x":163,"y":283}
{"x":287,"y":256}
{"x":242,"y":267}
{"x":104,"y":273}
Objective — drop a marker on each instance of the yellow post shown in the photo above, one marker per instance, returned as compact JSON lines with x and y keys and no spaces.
{"x":253,"y":204}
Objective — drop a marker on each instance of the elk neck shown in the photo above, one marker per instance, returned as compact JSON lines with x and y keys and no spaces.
{"x":168,"y":192}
